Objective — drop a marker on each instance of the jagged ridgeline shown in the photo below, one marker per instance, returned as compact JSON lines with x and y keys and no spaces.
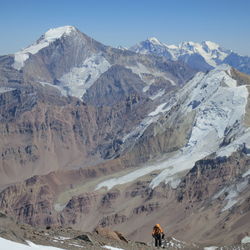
{"x":92,"y":135}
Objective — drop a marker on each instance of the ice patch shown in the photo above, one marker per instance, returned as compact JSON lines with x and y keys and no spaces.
{"x":11,"y":245}
{"x":146,"y":88}
{"x":139,"y":130}
{"x":160,"y":109}
{"x":49,"y":37}
{"x":233,"y":193}
{"x":79,"y":79}
{"x":75,"y":245}
{"x":61,"y":89}
{"x":210,"y":248}
{"x":245,"y":240}
{"x":61,"y":238}
{"x":181,"y":162}
{"x":59,"y":207}
{"x":159,"y":94}
{"x":235,"y":145}
{"x":112,"y":248}
{"x":5,"y":89}
{"x":219,"y":104}
{"x":141,"y":69}
{"x":151,"y":118}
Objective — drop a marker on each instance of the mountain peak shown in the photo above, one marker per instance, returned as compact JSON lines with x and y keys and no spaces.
{"x":44,"y":41}
{"x":211,"y":45}
{"x":56,"y":33}
{"x":154,"y":40}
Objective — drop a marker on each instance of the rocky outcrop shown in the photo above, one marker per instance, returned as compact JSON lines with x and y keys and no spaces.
{"x":209,"y":175}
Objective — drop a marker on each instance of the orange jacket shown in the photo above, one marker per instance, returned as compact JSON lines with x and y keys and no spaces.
{"x":157,"y":229}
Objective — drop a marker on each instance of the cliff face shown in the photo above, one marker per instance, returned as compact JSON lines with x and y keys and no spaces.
{"x":39,"y":135}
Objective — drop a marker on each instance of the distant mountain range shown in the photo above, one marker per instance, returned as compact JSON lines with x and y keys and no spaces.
{"x":200,"y":56}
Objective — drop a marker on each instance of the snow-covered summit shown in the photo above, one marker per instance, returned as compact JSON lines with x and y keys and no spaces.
{"x":212,"y":53}
{"x":56,"y":33}
{"x":45,"y":40}
{"x":154,"y":40}
{"x":211,"y":45}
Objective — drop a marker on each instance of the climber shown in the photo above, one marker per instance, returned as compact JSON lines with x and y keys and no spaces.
{"x":158,"y":235}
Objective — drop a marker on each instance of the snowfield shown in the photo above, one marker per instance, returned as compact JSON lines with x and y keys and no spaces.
{"x":79,"y":79}
{"x":245,"y":240}
{"x":11,"y":245}
{"x":112,"y":248}
{"x":5,"y":89}
{"x":219,"y":105}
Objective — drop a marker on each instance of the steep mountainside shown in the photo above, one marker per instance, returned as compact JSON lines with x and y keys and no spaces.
{"x":45,"y":127}
{"x":185,"y":164}
{"x":200,"y":56}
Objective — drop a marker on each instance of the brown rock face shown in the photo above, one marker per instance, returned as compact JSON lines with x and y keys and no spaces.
{"x":134,"y":208}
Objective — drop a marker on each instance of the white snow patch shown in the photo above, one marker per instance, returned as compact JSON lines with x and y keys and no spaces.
{"x":179,"y":163}
{"x":151,"y":118}
{"x":11,"y":245}
{"x":157,"y":95}
{"x":160,"y":109}
{"x":139,"y":130}
{"x":5,"y":89}
{"x":79,"y":79}
{"x":231,"y":200}
{"x":49,"y":37}
{"x":61,"y":89}
{"x":146,"y":88}
{"x":141,"y":69}
{"x":210,"y":248}
{"x":61,"y":238}
{"x":112,"y":248}
{"x":76,"y":245}
{"x":235,"y":145}
{"x":59,"y":207}
{"x":245,"y":240}
{"x":233,"y":191}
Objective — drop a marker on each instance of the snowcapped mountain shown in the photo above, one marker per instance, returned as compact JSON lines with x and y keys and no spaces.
{"x":49,"y":37}
{"x":201,"y":56}
{"x":71,"y":61}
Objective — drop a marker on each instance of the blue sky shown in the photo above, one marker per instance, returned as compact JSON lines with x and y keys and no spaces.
{"x":120,"y":22}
